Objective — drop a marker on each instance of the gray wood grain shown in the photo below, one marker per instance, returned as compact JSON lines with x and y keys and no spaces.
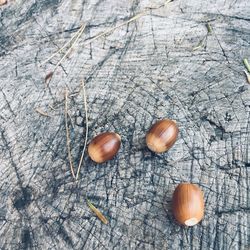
{"x":145,"y":71}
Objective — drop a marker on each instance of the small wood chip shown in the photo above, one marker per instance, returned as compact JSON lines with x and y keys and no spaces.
{"x":97,"y":212}
{"x":41,"y":112}
{"x":3,"y":2}
{"x":48,"y":78}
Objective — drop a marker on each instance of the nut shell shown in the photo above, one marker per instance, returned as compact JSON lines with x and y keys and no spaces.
{"x":162,"y":135}
{"x":188,"y":204}
{"x":104,"y":147}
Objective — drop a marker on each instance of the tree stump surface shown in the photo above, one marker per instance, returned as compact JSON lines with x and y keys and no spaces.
{"x":146,"y":70}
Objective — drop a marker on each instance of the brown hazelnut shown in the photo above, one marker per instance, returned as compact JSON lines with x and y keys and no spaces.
{"x":188,"y":204}
{"x":162,"y":135}
{"x":104,"y":147}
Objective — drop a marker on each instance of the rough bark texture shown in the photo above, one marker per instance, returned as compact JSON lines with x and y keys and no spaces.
{"x":142,"y":72}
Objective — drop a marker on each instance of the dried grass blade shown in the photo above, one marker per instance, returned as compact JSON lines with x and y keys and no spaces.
{"x":64,"y":46}
{"x":247,"y":65}
{"x":116,"y":27}
{"x":199,"y":45}
{"x":70,"y":48}
{"x":97,"y":212}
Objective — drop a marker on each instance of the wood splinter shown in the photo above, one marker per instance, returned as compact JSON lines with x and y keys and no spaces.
{"x":41,"y":112}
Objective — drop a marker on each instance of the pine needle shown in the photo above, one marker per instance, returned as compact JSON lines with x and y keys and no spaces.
{"x":106,"y":32}
{"x":67,"y":134}
{"x":132,"y":19}
{"x":50,"y":74}
{"x":64,"y":46}
{"x":87,"y":127}
{"x":70,"y":48}
{"x":97,"y":212}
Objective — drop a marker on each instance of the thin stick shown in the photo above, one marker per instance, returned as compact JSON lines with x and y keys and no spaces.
{"x":116,"y":27}
{"x":245,"y":61}
{"x":70,"y":48}
{"x":41,"y":112}
{"x":67,"y":134}
{"x":87,"y":127}
{"x":64,"y":46}
{"x":132,"y":19}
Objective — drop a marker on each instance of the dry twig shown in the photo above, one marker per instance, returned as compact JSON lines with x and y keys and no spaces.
{"x":70,"y":48}
{"x":65,"y":45}
{"x":50,"y":74}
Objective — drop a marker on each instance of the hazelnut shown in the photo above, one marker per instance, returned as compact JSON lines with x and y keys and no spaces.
{"x":104,"y":146}
{"x":188,"y":204}
{"x":162,"y":135}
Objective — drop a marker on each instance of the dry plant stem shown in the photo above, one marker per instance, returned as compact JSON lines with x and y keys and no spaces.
{"x":71,"y":47}
{"x":87,"y":127}
{"x":104,"y":33}
{"x":132,"y":19}
{"x":64,"y":46}
{"x":67,"y":134}
{"x":41,"y":112}
{"x":248,"y":76}
{"x":97,"y":212}
{"x":247,"y":65}
{"x":200,"y":44}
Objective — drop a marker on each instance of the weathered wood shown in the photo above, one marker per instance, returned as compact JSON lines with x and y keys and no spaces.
{"x":144,"y":71}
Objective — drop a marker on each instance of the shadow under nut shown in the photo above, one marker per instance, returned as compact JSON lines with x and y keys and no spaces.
{"x":104,"y":147}
{"x":162,"y":136}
